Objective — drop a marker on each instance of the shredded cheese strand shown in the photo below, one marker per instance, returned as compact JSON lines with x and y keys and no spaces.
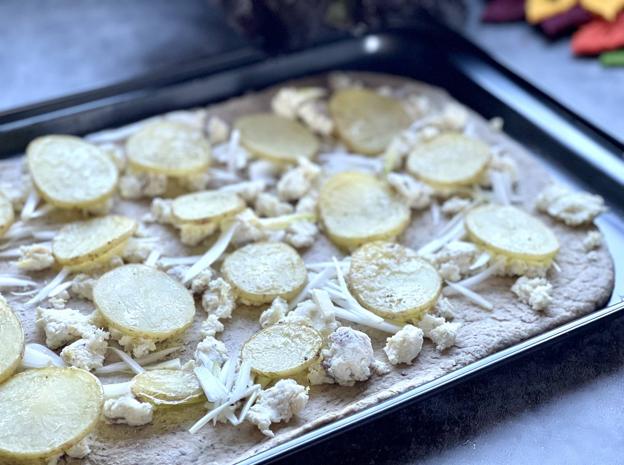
{"x":213,"y":253}
{"x":476,"y":298}
{"x":132,"y":363}
{"x":45,"y":291}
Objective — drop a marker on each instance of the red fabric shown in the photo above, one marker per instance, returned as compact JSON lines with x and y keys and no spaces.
{"x":566,"y":22}
{"x":599,"y":36}
{"x":503,"y":11}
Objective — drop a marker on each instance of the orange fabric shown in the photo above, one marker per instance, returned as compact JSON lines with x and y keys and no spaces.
{"x":538,"y":10}
{"x":608,"y":9}
{"x":599,"y":36}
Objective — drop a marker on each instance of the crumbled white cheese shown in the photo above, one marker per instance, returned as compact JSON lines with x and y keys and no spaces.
{"x":80,"y":450}
{"x":219,"y":299}
{"x":454,"y":116}
{"x":247,"y":190}
{"x":63,"y":326}
{"x":349,"y":356}
{"x":455,"y":205}
{"x":414,"y":193}
{"x":297,"y":182}
{"x":592,"y":241}
{"x":429,"y":322}
{"x":116,"y":154}
{"x":201,"y":282}
{"x":270,"y":205}
{"x":249,"y":229}
{"x":405,"y":345}
{"x":161,"y":211}
{"x":134,"y":185}
{"x":87,"y":353}
{"x":17,"y":193}
{"x":288,"y":100}
{"x":137,"y":346}
{"x":508,"y":266}
{"x":533,"y":291}
{"x":218,"y":130}
{"x":276,"y":312}
{"x":416,"y":105}
{"x":318,"y":375}
{"x":129,"y":411}
{"x":178,"y":272}
{"x":444,"y":335}
{"x":278,"y":403}
{"x":194,"y":182}
{"x":455,"y":259}
{"x":504,"y":163}
{"x":339,"y":81}
{"x":301,"y":234}
{"x":59,"y":301}
{"x":211,"y":349}
{"x":35,"y":257}
{"x":136,"y":250}
{"x":445,"y":308}
{"x":82,"y":286}
{"x":193,"y":234}
{"x":211,"y":326}
{"x":309,"y":314}
{"x":573,"y":208}
{"x":307,"y":203}
{"x":315,"y":115}
{"x":263,"y":170}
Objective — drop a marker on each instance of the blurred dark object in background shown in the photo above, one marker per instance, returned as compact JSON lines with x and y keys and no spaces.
{"x":288,"y":24}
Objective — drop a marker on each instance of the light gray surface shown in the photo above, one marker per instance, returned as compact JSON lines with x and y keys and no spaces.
{"x":564,"y":407}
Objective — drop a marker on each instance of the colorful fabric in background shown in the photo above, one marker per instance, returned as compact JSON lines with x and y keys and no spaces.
{"x":597,"y":25}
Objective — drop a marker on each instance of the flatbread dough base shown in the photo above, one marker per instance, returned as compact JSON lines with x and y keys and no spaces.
{"x":583,"y":285}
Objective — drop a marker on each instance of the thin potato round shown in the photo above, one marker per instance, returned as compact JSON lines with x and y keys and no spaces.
{"x":167,"y":387}
{"x":367,"y":121}
{"x":69,"y":172}
{"x":7,"y":217}
{"x":142,"y":301}
{"x":449,"y":161}
{"x":393,"y":281}
{"x":206,"y":207}
{"x":170,"y":148}
{"x":276,"y":138}
{"x":48,"y":410}
{"x":282,"y":350}
{"x":511,"y":232}
{"x":85,"y":241}
{"x":11,"y":341}
{"x":262,"y":271}
{"x":357,"y":208}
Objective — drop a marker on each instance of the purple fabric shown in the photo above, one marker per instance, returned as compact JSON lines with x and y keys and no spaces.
{"x":503,"y":11}
{"x":566,"y":21}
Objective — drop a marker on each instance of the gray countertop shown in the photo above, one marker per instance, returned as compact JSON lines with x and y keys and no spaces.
{"x":560,"y":407}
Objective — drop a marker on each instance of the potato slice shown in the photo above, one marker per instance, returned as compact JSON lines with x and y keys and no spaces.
{"x":69,"y":172}
{"x":206,"y":207}
{"x":7,"y":217}
{"x":511,"y":232}
{"x":276,"y":138}
{"x":11,"y":340}
{"x":262,"y":271}
{"x":170,"y":148}
{"x":357,"y":208}
{"x":282,"y":350}
{"x":85,"y":241}
{"x":48,"y":410}
{"x":367,"y":121}
{"x":393,"y":281}
{"x":139,"y":300}
{"x":449,"y":161}
{"x":167,"y":387}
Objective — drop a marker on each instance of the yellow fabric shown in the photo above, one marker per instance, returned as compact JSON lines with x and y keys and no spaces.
{"x":538,"y":10}
{"x":608,"y":9}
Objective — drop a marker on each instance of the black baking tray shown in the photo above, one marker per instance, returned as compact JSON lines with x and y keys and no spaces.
{"x":575,"y":151}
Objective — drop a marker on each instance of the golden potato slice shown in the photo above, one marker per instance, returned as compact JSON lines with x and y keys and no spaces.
{"x":69,"y":172}
{"x":11,"y":340}
{"x":167,"y":387}
{"x":206,"y":207}
{"x":449,"y":161}
{"x":393,"y":281}
{"x":262,"y":271}
{"x":7,"y":216}
{"x":45,"y":411}
{"x":170,"y":148}
{"x":85,"y":241}
{"x":511,"y":232}
{"x":356,"y":208}
{"x":367,"y":121}
{"x":276,"y":138}
{"x":140,"y":300}
{"x":282,"y":350}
